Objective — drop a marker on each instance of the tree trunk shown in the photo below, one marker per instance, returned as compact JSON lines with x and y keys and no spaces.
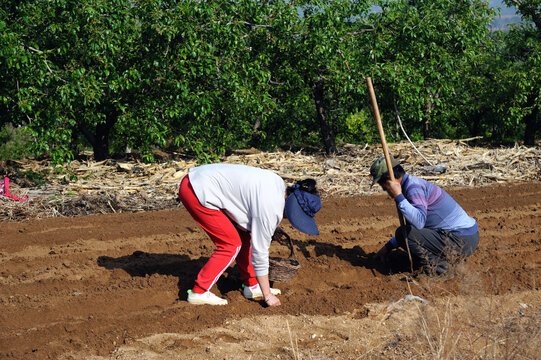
{"x":256,"y":135}
{"x":100,"y":140}
{"x":327,"y":132}
{"x":427,"y":120}
{"x":397,"y":120}
{"x":101,"y":145}
{"x":474,"y":126}
{"x":532,"y":122}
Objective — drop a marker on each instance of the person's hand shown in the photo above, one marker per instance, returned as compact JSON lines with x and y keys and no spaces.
{"x":272,"y":300}
{"x":383,"y":255}
{"x":393,"y":188}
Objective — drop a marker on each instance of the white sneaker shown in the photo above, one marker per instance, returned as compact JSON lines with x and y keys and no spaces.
{"x":252,"y":292}
{"x":205,"y":298}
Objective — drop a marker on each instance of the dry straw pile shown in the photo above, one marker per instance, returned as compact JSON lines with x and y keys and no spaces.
{"x":89,"y":187}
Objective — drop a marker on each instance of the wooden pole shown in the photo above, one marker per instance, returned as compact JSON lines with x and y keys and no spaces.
{"x":380,"y":128}
{"x":386,"y":154}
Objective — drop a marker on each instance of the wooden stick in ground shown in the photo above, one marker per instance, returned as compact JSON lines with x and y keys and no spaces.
{"x":387,"y":157}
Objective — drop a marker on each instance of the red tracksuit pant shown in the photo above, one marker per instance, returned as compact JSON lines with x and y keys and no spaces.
{"x":231,"y":243}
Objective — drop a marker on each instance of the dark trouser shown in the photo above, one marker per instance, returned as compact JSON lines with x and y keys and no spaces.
{"x":435,"y":249}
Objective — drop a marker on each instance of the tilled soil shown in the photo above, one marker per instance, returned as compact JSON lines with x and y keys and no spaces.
{"x":104,"y":286}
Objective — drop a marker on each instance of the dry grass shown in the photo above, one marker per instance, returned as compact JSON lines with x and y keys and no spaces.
{"x":473,"y":325}
{"x":89,"y":187}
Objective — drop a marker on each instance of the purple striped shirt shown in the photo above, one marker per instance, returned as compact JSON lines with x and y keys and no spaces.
{"x":425,"y":205}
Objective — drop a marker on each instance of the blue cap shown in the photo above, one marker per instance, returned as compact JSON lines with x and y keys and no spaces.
{"x":301,"y":207}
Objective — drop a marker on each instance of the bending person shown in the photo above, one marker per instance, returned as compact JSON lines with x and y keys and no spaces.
{"x":240,"y":208}
{"x":437,"y":230}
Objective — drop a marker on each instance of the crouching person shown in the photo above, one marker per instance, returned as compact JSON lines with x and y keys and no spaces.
{"x":240,"y":207}
{"x":437,"y":230}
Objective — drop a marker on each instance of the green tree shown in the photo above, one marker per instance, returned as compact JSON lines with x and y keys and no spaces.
{"x":15,"y":66}
{"x":504,"y":89}
{"x":317,"y":68}
{"x":523,"y":51}
{"x":421,"y":50}
{"x":85,"y":63}
{"x":218,"y":61}
{"x":208,"y":76}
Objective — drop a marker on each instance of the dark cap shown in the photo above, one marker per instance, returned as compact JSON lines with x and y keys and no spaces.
{"x":379,"y":168}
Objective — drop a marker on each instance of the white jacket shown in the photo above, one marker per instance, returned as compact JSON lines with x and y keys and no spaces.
{"x":253,"y":198}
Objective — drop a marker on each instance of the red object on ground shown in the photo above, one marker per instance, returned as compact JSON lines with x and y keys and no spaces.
{"x":4,"y":191}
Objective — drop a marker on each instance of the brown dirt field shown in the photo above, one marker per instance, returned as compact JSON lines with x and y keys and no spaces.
{"x":114,"y":286}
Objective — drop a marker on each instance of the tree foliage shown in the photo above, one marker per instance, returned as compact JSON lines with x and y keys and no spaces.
{"x":208,"y":76}
{"x":421,"y":50}
{"x":522,"y":73}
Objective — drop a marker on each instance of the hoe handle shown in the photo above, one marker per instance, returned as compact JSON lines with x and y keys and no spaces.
{"x":387,"y":157}
{"x":380,"y":128}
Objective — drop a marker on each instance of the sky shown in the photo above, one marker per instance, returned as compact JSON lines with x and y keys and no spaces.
{"x":507,"y":16}
{"x":504,"y":9}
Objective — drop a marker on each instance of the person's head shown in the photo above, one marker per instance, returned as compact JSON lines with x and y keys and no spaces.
{"x":379,"y":171}
{"x":302,"y":204}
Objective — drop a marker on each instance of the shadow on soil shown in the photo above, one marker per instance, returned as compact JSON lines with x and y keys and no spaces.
{"x":356,"y":256}
{"x":143,"y":264}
